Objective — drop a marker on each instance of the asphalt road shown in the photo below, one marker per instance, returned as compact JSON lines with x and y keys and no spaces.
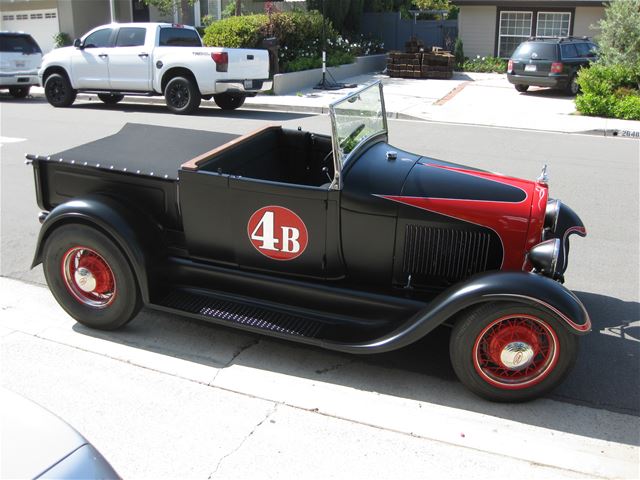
{"x":598,"y":177}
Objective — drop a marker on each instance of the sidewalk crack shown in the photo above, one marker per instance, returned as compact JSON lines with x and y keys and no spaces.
{"x":236,"y":354}
{"x":242,"y":442}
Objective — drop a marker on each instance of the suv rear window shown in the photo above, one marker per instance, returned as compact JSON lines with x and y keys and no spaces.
{"x":179,"y":37}
{"x":535,"y":51}
{"x":18,"y":44}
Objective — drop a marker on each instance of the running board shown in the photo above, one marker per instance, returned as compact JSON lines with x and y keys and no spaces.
{"x":221,"y":309}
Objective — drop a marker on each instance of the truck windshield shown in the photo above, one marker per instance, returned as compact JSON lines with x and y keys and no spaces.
{"x":357,"y":118}
{"x":179,"y":37}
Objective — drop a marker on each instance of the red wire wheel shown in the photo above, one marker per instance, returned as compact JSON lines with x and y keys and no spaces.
{"x":88,"y":277}
{"x":515,"y":352}
{"x":511,"y":352}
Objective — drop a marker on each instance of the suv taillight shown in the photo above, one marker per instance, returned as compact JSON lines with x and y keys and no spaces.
{"x":556,"y":67}
{"x":222,"y":61}
{"x":510,"y":66}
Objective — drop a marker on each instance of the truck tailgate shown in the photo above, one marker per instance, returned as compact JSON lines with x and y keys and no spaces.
{"x":245,"y":64}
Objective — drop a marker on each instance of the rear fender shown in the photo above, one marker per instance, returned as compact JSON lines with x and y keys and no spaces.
{"x":137,"y":236}
{"x":518,"y":287}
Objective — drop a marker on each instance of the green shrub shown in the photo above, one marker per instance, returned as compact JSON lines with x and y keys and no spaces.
{"x":458,"y":52}
{"x":619,"y":36}
{"x":485,"y":65}
{"x":609,"y":91}
{"x":61,"y":39}
{"x":299,"y":35}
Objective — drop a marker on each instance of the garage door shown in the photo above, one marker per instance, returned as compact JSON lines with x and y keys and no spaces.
{"x":41,"y":24}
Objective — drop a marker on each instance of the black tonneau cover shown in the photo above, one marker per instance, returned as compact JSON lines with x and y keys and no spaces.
{"x":143,"y":149}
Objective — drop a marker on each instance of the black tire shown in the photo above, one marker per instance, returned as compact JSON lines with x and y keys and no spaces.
{"x":229,"y":101}
{"x":522,"y":88}
{"x":19,"y":92}
{"x":73,"y":250}
{"x":58,"y":90}
{"x":572,"y":87}
{"x":110,"y":98}
{"x":481,"y":335}
{"x":182,"y":96}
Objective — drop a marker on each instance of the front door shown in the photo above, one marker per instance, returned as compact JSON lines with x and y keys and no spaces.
{"x":90,"y":64}
{"x":279,"y":227}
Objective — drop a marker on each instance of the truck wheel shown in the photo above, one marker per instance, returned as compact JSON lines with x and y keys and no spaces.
{"x":229,"y":101}
{"x":58,"y":90}
{"x":509,"y":352}
{"x":90,"y":277}
{"x":182,"y":96}
{"x":522,"y":88}
{"x":19,"y":92}
{"x":110,"y":98}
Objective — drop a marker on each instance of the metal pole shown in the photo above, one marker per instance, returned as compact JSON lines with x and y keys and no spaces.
{"x":112,"y":10}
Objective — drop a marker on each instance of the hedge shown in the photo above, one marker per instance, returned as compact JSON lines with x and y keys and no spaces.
{"x":610,"y":91}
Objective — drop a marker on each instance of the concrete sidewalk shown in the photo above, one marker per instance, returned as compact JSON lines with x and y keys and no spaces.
{"x":486,"y":99}
{"x":168,"y":398}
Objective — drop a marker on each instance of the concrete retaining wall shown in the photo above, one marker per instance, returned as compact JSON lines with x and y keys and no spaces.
{"x":286,"y":83}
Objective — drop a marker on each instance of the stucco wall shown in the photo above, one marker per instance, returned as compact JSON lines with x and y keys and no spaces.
{"x":9,"y":6}
{"x":477,"y":28}
{"x":585,"y":17}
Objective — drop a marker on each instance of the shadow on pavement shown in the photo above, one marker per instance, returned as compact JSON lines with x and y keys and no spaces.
{"x":606,"y":374}
{"x":206,"y":110}
{"x":540,"y":92}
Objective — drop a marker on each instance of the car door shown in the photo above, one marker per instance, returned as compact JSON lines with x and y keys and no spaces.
{"x":279,"y":227}
{"x":130,"y":60}
{"x":90,"y":62}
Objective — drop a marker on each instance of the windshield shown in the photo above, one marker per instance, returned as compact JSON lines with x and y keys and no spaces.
{"x":535,"y":51}
{"x":355,"y":119}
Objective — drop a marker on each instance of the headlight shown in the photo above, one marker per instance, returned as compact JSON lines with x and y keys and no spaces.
{"x":544,"y":257}
{"x":551,"y":214}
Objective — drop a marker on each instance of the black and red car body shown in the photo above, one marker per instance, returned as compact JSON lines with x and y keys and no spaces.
{"x":340,"y":241}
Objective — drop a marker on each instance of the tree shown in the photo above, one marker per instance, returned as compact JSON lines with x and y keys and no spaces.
{"x":619,"y":40}
{"x":336,"y":10}
{"x":170,"y":7}
{"x":432,"y":4}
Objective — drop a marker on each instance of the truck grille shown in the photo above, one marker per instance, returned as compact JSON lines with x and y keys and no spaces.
{"x":444,"y":252}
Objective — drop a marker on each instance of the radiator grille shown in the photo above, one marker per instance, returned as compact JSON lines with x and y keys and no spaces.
{"x":444,"y":252}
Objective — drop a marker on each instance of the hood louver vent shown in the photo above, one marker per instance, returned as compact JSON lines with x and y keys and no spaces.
{"x":445,"y":253}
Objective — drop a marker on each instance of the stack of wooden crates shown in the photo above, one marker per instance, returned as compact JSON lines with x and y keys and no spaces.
{"x":416,"y":63}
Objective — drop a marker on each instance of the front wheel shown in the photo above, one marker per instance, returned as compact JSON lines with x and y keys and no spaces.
{"x":229,"y":101}
{"x":58,"y":90}
{"x":522,"y":88}
{"x":90,"y":277}
{"x":508,"y":352}
{"x":110,"y":98}
{"x":182,"y":96}
{"x":19,"y":92}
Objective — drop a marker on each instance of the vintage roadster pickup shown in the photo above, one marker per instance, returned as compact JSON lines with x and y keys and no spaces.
{"x":340,"y":241}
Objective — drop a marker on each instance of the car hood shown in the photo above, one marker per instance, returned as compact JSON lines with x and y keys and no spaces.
{"x":513,"y":208}
{"x":33,"y":439}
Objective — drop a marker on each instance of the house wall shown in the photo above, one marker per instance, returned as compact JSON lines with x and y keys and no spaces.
{"x":477,"y":29}
{"x":585,"y":17}
{"x":9,"y":6}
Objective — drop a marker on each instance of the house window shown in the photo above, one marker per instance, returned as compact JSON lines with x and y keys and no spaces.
{"x":515,"y":28}
{"x":553,"y":24}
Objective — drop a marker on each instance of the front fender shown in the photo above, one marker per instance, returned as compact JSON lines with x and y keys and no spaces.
{"x":137,"y":236}
{"x":519,"y":287}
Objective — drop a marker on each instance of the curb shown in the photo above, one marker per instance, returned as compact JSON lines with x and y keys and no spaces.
{"x":603,"y":132}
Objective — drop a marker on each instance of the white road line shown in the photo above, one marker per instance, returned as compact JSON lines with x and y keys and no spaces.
{"x":4,"y":140}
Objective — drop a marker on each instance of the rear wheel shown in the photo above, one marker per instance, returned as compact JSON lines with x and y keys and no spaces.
{"x":19,"y":92}
{"x":509,"y":352}
{"x":229,"y":101}
{"x":572,"y":87}
{"x":58,"y":90}
{"x":522,"y":88}
{"x":182,"y":96}
{"x":90,"y":277}
{"x":110,"y":98}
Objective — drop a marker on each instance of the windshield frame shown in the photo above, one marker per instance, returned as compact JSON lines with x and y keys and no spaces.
{"x":340,"y":158}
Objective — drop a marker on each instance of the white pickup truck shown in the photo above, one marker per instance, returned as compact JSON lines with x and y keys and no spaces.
{"x":153,"y":59}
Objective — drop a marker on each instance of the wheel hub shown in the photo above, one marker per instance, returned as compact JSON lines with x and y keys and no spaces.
{"x":516,"y":355}
{"x":85,"y":279}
